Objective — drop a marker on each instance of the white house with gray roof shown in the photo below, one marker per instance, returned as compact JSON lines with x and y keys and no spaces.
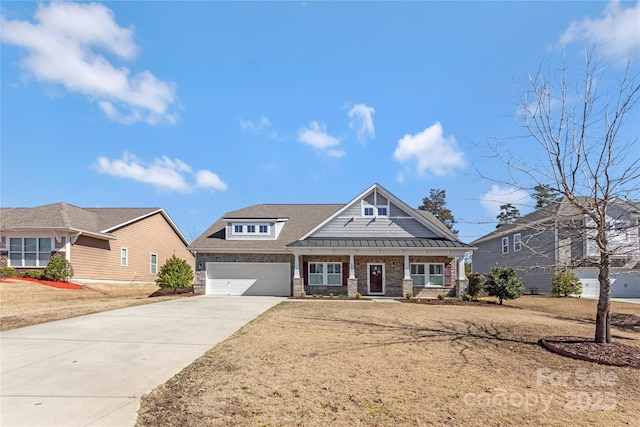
{"x":374,"y":245}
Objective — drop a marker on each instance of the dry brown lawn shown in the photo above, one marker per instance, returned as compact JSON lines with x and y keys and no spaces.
{"x":339,"y":363}
{"x":26,"y":303}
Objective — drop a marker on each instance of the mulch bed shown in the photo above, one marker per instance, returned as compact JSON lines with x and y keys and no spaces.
{"x":59,"y":285}
{"x":586,"y":349}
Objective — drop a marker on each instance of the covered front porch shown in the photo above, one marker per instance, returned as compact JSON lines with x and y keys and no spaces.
{"x":384,"y":271}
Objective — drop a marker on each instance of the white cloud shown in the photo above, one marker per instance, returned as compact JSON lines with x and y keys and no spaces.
{"x":431,"y":151}
{"x":361,"y":121}
{"x":336,"y":153}
{"x":262,"y":126}
{"x":497,"y":196}
{"x":63,"y":48}
{"x":163,"y":173}
{"x":208,"y":179}
{"x":316,"y":136}
{"x":617,"y":31}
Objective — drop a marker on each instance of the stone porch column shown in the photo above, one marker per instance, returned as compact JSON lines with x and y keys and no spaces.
{"x":298,"y":282}
{"x":407,"y":281}
{"x":463,"y":282}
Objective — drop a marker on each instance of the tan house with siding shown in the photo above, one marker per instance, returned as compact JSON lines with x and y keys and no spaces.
{"x":127,"y":245}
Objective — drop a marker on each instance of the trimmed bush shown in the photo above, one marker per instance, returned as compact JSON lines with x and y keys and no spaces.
{"x":175,"y":273}
{"x":504,"y":283}
{"x":476,"y":284}
{"x":7,"y":271}
{"x":33,"y":274}
{"x":566,"y":283}
{"x":58,"y":270}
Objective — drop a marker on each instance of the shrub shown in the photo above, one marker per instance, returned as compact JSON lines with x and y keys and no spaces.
{"x":502,"y":282}
{"x":33,"y":274}
{"x":330,"y":294}
{"x":476,"y":284}
{"x":358,"y":295}
{"x":441,"y":296}
{"x":343,"y":296}
{"x":469,"y":297}
{"x":58,"y":269}
{"x":7,"y":271}
{"x":303,"y":294}
{"x":409,"y":295}
{"x":566,"y":283}
{"x":175,"y":273}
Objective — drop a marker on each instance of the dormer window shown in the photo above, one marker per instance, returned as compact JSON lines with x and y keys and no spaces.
{"x":251,"y":228}
{"x":238,"y":228}
{"x":382,"y":211}
{"x":264,"y":228}
{"x":368,"y":211}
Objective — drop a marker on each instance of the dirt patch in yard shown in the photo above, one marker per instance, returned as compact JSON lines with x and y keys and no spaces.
{"x":352,"y":364}
{"x":25,"y":303}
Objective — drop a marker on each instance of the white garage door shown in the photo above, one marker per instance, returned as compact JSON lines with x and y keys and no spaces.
{"x":248,"y":278}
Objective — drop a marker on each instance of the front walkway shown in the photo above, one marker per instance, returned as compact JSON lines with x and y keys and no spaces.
{"x":92,"y":370}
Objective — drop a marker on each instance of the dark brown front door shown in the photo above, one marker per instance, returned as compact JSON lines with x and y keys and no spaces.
{"x":375,"y":278}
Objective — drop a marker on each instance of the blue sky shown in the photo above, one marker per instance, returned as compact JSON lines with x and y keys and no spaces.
{"x":206,"y":107}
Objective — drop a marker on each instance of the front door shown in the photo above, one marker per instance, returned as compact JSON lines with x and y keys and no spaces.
{"x":376,"y":278}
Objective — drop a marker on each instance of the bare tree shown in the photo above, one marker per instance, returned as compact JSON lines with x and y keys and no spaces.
{"x":589,"y":157}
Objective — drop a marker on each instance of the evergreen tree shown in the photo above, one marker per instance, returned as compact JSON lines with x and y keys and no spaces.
{"x":544,"y":195}
{"x":436,"y":203}
{"x":508,"y":214}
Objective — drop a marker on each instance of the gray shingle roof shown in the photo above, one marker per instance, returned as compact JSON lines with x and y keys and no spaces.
{"x":63,"y":216}
{"x":299,"y":220}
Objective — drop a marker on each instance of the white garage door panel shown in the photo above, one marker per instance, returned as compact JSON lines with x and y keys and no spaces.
{"x":237,"y":278}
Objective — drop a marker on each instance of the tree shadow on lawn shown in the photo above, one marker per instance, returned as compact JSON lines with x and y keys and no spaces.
{"x":624,"y":321}
{"x":465,"y":334}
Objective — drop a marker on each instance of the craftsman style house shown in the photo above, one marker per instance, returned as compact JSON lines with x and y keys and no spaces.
{"x":103,"y":244}
{"x":373,"y":245}
{"x":559,"y":237}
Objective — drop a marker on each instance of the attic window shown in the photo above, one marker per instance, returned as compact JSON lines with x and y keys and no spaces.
{"x":368,"y":211}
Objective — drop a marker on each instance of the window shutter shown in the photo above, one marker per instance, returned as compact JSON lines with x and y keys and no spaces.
{"x":345,"y":273}
{"x":447,"y":274}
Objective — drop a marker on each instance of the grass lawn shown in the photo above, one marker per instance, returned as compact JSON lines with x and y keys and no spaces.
{"x":25,"y":303}
{"x":340,"y":363}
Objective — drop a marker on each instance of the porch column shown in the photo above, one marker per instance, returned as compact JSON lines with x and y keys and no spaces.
{"x":352,"y":267}
{"x":463,"y":282}
{"x":407,"y":281}
{"x":298,"y":282}
{"x":296,"y":266}
{"x":67,"y":248}
{"x":352,"y":282}
{"x":407,"y":268}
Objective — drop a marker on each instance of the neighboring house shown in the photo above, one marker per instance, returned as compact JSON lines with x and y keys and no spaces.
{"x":103,"y":244}
{"x":374,"y":245}
{"x":557,"y":237}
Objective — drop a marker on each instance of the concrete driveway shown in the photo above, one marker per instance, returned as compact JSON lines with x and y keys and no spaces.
{"x":92,"y":370}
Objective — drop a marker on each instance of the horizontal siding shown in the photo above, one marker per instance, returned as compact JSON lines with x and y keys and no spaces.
{"x":534,"y":263}
{"x":93,"y":259}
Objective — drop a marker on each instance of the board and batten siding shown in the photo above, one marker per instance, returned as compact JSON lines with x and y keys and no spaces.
{"x":99,"y":260}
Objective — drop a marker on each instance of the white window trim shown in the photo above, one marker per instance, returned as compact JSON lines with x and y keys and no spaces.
{"x":151,"y":264}
{"x":427,"y":274}
{"x":125,"y":258}
{"x":22,"y":251}
{"x":505,"y":245}
{"x":517,"y":242}
{"x":245,"y":229}
{"x":325,"y":273}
